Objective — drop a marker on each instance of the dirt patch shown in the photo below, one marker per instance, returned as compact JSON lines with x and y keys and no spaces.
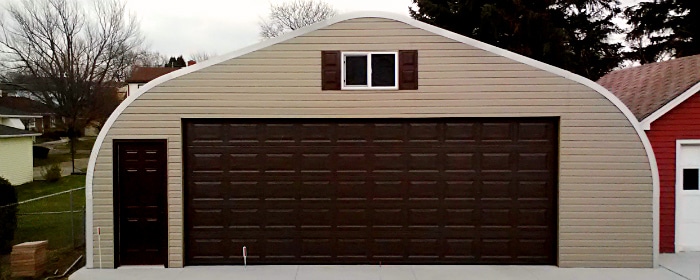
{"x":57,"y":262}
{"x":60,"y":260}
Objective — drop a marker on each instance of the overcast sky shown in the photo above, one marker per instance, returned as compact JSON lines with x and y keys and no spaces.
{"x":183,"y":27}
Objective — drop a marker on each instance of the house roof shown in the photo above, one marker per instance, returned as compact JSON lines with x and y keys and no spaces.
{"x":11,"y":132}
{"x":648,"y":88}
{"x":146,"y":74}
{"x":24,"y":104}
{"x":13,"y":113}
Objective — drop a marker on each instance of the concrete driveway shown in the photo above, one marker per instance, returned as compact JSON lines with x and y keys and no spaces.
{"x":673,"y":267}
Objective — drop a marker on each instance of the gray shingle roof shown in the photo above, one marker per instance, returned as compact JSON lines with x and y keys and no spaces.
{"x":8,"y":132}
{"x":4,"y":111}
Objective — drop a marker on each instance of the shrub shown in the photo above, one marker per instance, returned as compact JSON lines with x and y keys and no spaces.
{"x":8,"y":215}
{"x":52,"y":173}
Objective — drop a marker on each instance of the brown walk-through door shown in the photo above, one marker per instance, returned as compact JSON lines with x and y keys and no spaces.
{"x":140,"y":207}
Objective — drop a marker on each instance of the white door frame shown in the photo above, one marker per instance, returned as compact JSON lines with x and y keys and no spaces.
{"x":679,"y":188}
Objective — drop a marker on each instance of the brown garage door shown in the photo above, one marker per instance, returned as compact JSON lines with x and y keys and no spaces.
{"x":397,"y":191}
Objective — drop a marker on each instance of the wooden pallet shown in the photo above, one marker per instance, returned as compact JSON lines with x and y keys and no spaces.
{"x":28,"y":259}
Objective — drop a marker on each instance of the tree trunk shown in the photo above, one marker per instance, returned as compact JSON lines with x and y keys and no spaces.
{"x":73,"y":138}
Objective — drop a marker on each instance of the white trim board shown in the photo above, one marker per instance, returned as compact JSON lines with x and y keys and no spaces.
{"x":646,"y":122}
{"x":418,"y":24}
{"x":22,"y":116}
{"x":20,"y":135}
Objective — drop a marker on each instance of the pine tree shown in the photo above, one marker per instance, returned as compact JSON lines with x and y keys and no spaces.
{"x":571,"y":34}
{"x":588,"y":25}
{"x":663,"y":29}
{"x":178,"y":62}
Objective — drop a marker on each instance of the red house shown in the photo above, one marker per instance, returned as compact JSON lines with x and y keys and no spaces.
{"x":664,"y":97}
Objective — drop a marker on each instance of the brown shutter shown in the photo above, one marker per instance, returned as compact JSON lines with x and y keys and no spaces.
{"x":408,"y":70}
{"x":330,"y":70}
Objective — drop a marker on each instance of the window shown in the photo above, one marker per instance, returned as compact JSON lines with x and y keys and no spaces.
{"x":31,"y":124}
{"x":691,"y":178}
{"x":375,"y":70}
{"x":393,"y":70}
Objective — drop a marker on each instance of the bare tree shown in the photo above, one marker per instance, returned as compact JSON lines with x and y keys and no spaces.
{"x":67,"y":56}
{"x":200,"y":56}
{"x":293,"y":15}
{"x":150,"y":59}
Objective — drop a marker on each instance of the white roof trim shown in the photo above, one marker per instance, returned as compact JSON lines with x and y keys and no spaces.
{"x":401,"y":18}
{"x":21,"y":116}
{"x":21,"y":135}
{"x":646,"y":122}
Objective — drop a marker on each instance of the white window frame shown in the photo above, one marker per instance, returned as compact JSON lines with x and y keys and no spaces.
{"x":369,"y":71}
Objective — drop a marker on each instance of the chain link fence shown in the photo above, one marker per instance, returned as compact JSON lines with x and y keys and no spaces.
{"x":58,"y":218}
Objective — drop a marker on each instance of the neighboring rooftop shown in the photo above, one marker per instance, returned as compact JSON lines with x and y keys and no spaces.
{"x":9,"y":112}
{"x":146,"y":74}
{"x":24,"y":104}
{"x":647,"y":88}
{"x":10,"y":132}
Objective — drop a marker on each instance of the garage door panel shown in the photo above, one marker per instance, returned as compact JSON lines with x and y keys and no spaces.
{"x":459,"y":217}
{"x":352,"y":248}
{"x":533,"y":217}
{"x":322,"y":218}
{"x":278,"y":190}
{"x":207,"y":189}
{"x":364,"y":191}
{"x":425,"y":190}
{"x":534,"y":190}
{"x":460,"y":133}
{"x":211,"y":163}
{"x":206,"y":134}
{"x":425,"y":248}
{"x":352,"y":218}
{"x":350,"y":190}
{"x":461,"y":249}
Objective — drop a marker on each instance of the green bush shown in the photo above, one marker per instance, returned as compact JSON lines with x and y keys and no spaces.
{"x":51,"y":173}
{"x":8,"y":215}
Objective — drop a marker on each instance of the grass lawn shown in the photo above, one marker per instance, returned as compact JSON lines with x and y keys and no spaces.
{"x":53,"y":227}
{"x":84,"y":144}
{"x":41,"y":188}
{"x":64,"y":245}
{"x":57,"y":158}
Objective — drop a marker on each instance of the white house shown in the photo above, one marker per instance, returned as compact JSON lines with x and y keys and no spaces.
{"x":16,"y":158}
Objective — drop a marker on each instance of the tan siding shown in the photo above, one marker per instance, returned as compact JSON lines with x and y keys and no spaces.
{"x":605,"y":186}
{"x":644,"y":222}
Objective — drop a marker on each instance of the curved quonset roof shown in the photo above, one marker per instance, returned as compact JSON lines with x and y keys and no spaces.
{"x":575,"y":79}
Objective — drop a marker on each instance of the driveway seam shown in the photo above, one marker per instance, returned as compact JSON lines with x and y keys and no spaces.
{"x":681,"y":275}
{"x":414,"y":273}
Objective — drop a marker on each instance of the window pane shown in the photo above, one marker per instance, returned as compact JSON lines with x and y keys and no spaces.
{"x":383,"y":70}
{"x":356,"y":70}
{"x":690,"y":179}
